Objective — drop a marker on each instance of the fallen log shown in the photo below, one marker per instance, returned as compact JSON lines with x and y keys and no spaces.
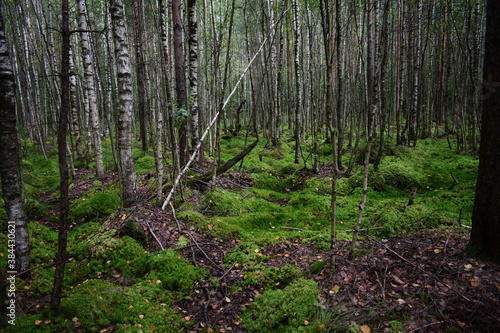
{"x":206,"y":177}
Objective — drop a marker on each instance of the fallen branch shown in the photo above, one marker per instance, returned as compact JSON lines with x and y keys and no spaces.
{"x":428,"y":325}
{"x":228,"y":165}
{"x":154,"y":235}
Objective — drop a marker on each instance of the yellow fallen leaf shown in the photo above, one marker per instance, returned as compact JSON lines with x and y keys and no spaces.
{"x":47,"y":321}
{"x":365,"y":329}
{"x":437,"y":251}
{"x":306,"y":322}
{"x":38,"y":322}
{"x":475,"y":282}
{"x":228,"y":300}
{"x":131,"y":307}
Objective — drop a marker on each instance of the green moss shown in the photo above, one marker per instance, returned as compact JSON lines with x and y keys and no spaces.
{"x":290,"y":168}
{"x":98,"y":303}
{"x":174,"y":272}
{"x":34,"y":209}
{"x":396,"y":327}
{"x":192,"y":217}
{"x":283,"y":310}
{"x":99,"y":205}
{"x":245,"y":253}
{"x":145,"y":164}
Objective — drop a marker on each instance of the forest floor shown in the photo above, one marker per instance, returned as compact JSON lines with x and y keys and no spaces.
{"x":261,"y":230}
{"x":423,"y":277}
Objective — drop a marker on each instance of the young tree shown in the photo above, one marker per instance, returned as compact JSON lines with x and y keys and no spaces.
{"x":10,"y":166}
{"x":298,"y":80}
{"x":62,"y":241}
{"x":125,"y":103}
{"x":140,"y":65}
{"x":486,"y":213}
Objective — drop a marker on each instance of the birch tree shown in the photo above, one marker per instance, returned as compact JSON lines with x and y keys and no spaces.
{"x":89,"y":85}
{"x":125,"y":103}
{"x":10,"y":168}
{"x":193,"y":76}
{"x":298,"y":80}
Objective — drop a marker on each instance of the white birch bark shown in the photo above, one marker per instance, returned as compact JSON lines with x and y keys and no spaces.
{"x":125,"y":103}
{"x":90,"y":88}
{"x":10,"y":168}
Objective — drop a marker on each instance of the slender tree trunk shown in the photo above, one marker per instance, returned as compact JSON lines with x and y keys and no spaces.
{"x":180,"y":84}
{"x":193,"y":77}
{"x":125,"y":104}
{"x":96,"y":131}
{"x":140,"y":65}
{"x":370,"y":121}
{"x":10,"y":167}
{"x":75,"y":119}
{"x":298,"y":81}
{"x":61,"y":255}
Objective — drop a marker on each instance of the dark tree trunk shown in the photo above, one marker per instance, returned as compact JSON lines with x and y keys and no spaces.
{"x":60,"y":261}
{"x":180,"y":83}
{"x":10,"y":166}
{"x":486,"y":214}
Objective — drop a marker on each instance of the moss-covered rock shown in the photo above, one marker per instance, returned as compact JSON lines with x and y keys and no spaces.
{"x":134,"y":230}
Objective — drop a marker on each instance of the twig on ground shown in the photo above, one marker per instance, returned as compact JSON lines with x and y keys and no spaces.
{"x":154,"y":235}
{"x":175,"y":218}
{"x":204,"y":253}
{"x":428,"y":325}
{"x":292,"y":228}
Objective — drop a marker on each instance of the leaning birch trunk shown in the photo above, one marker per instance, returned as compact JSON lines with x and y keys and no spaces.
{"x":10,"y":168}
{"x":90,"y":88}
{"x":207,"y":130}
{"x":125,"y":115}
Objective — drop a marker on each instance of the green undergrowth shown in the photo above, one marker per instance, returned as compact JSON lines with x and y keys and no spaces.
{"x":112,"y":280}
{"x":284,"y":195}
{"x":97,"y":257}
{"x":94,"y":304}
{"x":292,"y":309}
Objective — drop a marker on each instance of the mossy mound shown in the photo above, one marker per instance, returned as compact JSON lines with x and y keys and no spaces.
{"x":291,"y":309}
{"x":95,"y":304}
{"x":99,"y":205}
{"x":174,"y":272}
